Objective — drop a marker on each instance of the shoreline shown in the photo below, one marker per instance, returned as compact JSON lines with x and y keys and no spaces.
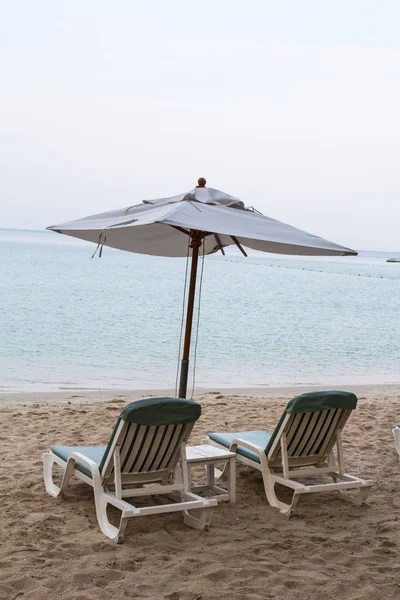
{"x":90,"y":396}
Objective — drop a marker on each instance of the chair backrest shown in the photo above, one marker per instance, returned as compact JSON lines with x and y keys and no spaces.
{"x":148,"y":436}
{"x":309,"y":426}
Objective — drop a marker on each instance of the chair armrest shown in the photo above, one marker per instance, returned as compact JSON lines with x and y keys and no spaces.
{"x":239,"y":442}
{"x":96,"y":477}
{"x":83,"y":459}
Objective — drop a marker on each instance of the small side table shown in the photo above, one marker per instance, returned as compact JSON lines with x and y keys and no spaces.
{"x":208,"y":455}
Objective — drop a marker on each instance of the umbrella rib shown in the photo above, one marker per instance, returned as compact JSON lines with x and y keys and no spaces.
{"x":181,"y":229}
{"x":220,"y":246}
{"x":238,"y":245}
{"x":194,"y":205}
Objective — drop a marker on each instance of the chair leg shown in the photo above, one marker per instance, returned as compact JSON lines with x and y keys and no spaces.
{"x":102,"y":499}
{"x":360,"y":498}
{"x":113,"y":533}
{"x":396,"y":435}
{"x":283,"y":507}
{"x":201,"y":522}
{"x":51,"y":487}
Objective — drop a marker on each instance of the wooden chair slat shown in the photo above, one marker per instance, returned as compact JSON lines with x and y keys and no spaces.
{"x":154,"y":448}
{"x":322,"y":424}
{"x":128,"y":442}
{"x":144,"y":450}
{"x":277,"y":441}
{"x":289,"y":429}
{"x":140,"y":433}
{"x":169,"y":432}
{"x":108,"y":466}
{"x":294,"y":436}
{"x":175,"y":441}
{"x":329,"y":442}
{"x":326,"y":431}
{"x":314,"y":417}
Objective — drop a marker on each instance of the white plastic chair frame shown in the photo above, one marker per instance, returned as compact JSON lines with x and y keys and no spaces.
{"x":153,"y":461}
{"x":396,"y":435}
{"x":304,"y":447}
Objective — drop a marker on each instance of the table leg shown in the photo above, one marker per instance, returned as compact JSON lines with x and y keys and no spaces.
{"x":210,"y":476}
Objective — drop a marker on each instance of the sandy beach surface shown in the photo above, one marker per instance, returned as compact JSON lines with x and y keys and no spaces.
{"x":52,"y":548}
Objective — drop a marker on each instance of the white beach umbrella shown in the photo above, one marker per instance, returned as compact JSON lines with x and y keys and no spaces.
{"x":202,"y":217}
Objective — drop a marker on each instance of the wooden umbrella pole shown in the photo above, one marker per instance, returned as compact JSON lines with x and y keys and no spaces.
{"x":195,"y":244}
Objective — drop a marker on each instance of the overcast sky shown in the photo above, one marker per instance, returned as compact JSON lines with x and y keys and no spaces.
{"x":292,"y":105}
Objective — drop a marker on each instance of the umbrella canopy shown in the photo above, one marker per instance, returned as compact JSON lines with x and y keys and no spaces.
{"x":223,"y":218}
{"x":202,"y":217}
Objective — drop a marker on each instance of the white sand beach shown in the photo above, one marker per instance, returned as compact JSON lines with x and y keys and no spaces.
{"x":328,"y":549}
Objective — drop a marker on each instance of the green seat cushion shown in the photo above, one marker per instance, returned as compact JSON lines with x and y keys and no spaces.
{"x":258,"y":438}
{"x":161,"y":411}
{"x":95,"y":453}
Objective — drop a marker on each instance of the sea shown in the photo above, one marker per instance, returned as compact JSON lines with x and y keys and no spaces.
{"x":69,"y":321}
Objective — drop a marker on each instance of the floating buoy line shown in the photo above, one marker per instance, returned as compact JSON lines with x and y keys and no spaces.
{"x":313,"y":270}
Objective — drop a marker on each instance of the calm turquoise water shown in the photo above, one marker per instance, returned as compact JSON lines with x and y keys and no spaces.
{"x":68,"y":321}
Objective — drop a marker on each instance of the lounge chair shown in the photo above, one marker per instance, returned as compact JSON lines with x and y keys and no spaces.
{"x":301,"y":445}
{"x":145,"y":456}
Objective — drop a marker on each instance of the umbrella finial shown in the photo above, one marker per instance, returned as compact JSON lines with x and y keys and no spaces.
{"x":201,"y":182}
